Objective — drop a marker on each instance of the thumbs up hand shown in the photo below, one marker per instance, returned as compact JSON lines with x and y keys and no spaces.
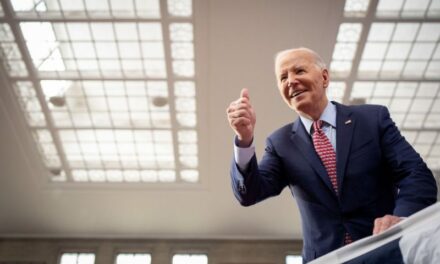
{"x":241,"y":117}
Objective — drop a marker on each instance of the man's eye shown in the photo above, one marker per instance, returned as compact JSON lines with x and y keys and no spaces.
{"x":300,"y":71}
{"x":283,"y":78}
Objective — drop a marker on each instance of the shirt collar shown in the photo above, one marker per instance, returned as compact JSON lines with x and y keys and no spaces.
{"x":328,"y":116}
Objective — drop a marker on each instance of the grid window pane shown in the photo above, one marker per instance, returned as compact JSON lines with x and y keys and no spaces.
{"x":381,"y":31}
{"x":388,"y":6}
{"x":116,"y":126}
{"x":345,"y":49}
{"x":77,"y":258}
{"x":395,"y":52}
{"x":190,"y":259}
{"x":137,"y":258}
{"x":294,"y":259}
{"x":99,"y":49}
{"x":374,"y":51}
{"x":406,"y":31}
{"x":180,"y":8}
{"x":356,"y":8}
{"x":415,"y":8}
{"x":398,"y":51}
{"x":434,"y":9}
{"x":412,"y":104}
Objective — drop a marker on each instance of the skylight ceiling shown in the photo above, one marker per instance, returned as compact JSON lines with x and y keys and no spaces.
{"x":107,"y":87}
{"x":387,"y":52}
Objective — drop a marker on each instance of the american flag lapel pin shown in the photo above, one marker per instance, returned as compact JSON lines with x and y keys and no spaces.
{"x":348,"y":122}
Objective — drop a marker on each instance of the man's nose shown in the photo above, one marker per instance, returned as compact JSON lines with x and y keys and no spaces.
{"x":291,"y":82}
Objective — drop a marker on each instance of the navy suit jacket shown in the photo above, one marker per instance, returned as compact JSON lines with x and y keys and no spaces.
{"x":378,"y":173}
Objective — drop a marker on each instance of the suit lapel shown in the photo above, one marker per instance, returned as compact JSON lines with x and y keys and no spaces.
{"x":344,"y":133}
{"x":302,"y":142}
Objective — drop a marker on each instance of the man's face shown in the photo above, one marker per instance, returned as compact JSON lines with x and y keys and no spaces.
{"x":301,"y":82}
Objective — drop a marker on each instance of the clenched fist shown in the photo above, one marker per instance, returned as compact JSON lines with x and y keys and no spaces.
{"x":242,"y":118}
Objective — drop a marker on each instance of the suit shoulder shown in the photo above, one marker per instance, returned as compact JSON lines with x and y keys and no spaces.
{"x":368,"y":110}
{"x":366,"y":107}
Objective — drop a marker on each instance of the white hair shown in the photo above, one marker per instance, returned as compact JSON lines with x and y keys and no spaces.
{"x":317,"y":59}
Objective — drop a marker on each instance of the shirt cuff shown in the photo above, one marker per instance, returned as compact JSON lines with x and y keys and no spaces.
{"x":243,"y":155}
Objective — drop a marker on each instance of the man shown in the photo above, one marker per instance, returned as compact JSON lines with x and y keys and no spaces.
{"x":350,"y":170}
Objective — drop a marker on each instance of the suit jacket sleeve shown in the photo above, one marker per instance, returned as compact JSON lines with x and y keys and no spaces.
{"x":260,"y":181}
{"x":416,"y":185}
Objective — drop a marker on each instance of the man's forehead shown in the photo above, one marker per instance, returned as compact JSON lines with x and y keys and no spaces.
{"x":294,"y":58}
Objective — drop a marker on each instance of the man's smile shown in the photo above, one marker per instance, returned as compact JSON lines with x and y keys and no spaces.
{"x":296,"y":93}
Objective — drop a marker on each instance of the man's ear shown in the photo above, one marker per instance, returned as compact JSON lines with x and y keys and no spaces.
{"x":325,"y":77}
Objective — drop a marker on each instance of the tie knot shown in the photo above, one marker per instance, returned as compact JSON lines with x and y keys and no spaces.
{"x":317,"y":125}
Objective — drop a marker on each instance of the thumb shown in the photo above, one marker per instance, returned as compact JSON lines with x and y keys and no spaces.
{"x":244,"y":93}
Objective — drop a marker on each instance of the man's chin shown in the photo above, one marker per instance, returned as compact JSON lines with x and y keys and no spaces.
{"x":299,"y":107}
{"x":297,"y":102}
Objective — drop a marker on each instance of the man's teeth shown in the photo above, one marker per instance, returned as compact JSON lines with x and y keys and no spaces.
{"x":296,"y":93}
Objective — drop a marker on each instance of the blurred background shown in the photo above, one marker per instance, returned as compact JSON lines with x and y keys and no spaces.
{"x":114,"y":141}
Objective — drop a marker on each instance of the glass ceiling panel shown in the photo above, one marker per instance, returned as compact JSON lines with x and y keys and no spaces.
{"x":356,"y":8}
{"x":427,"y":143}
{"x":434,"y":9}
{"x":10,"y":53}
{"x":389,"y":8}
{"x":182,"y":49}
{"x":185,"y":103}
{"x":336,"y":91}
{"x":405,"y":32}
{"x":410,"y":103}
{"x":345,"y":49}
{"x":179,"y":8}
{"x":101,"y":149}
{"x":64,"y":50}
{"x":415,"y":8}
{"x":106,"y":88}
{"x":24,"y":5}
{"x":429,"y":32}
{"x":87,"y":8}
{"x":408,"y":8}
{"x":30,"y":104}
{"x":46,"y":146}
{"x":380,"y":32}
{"x":406,"y":48}
{"x":401,"y":50}
{"x":107,"y":104}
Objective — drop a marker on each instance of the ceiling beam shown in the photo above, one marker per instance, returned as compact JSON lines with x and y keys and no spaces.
{"x":170,"y":84}
{"x":366,"y":24}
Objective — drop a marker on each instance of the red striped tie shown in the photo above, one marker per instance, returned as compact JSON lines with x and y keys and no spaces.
{"x":328,"y":157}
{"x":326,"y":152}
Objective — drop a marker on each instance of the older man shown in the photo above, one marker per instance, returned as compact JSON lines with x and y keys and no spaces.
{"x":349,"y":168}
